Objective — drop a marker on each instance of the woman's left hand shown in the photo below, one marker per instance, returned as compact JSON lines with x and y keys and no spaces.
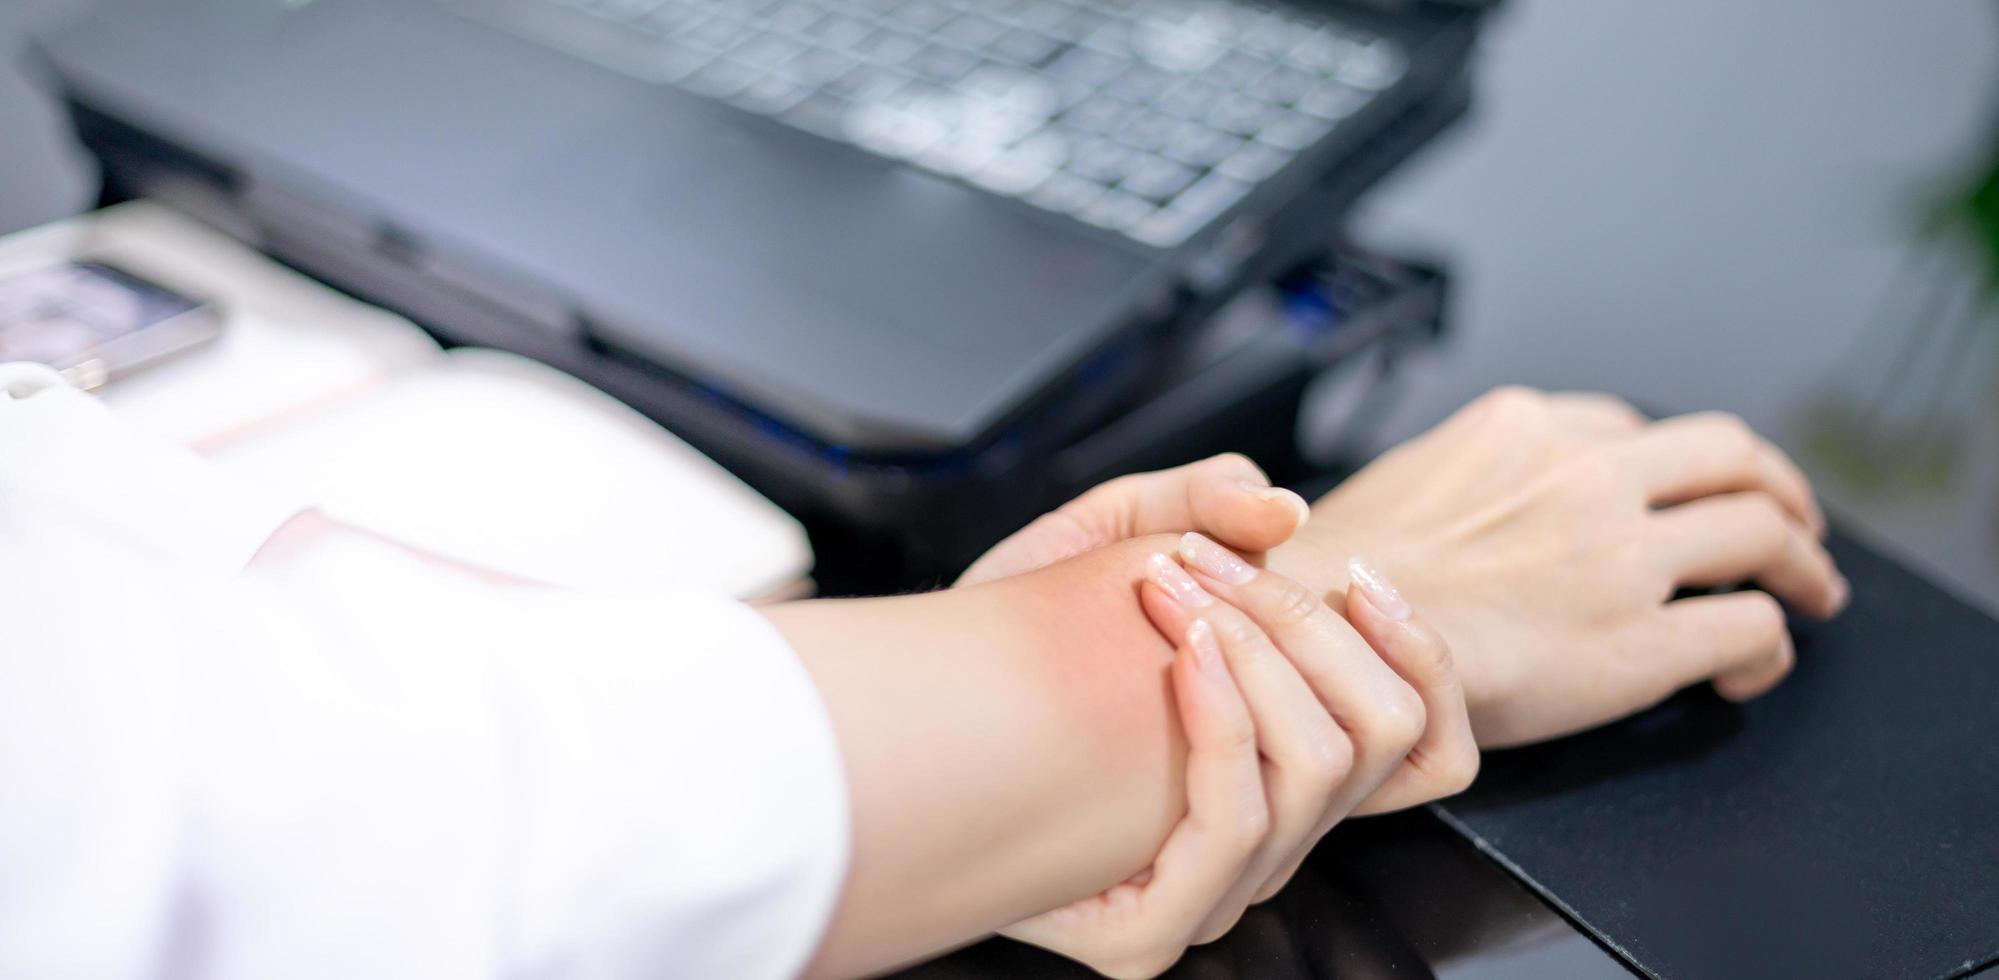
{"x":1293,"y":721}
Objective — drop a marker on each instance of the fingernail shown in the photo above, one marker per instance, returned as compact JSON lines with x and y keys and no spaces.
{"x":1842,"y":593}
{"x":1268,"y":493}
{"x":1207,"y":652}
{"x":1176,"y":583}
{"x":1218,"y":562}
{"x":1379,"y":590}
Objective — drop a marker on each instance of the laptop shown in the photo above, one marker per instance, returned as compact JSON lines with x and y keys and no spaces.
{"x":824,"y":240}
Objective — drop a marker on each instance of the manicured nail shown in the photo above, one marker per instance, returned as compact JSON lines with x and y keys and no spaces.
{"x":1207,"y":652}
{"x":1176,"y":583}
{"x":1269,"y":493}
{"x":1379,"y":590}
{"x":1217,"y":562}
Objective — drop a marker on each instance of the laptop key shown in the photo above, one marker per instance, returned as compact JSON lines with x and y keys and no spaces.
{"x":1148,"y":129}
{"x":722,"y":78}
{"x":820,"y":114}
{"x":1198,"y":146}
{"x":942,"y":64}
{"x":1023,"y":167}
{"x":1157,"y":180}
{"x":1064,"y":193}
{"x":1210,"y":197}
{"x":1331,"y":101}
{"x":1293,"y":130}
{"x":1025,"y":47}
{"x":771,"y":94}
{"x":1253,"y":162}
{"x":1116,"y":210}
{"x":1100,"y":114}
{"x":1375,"y":66}
{"x":1104,"y":161}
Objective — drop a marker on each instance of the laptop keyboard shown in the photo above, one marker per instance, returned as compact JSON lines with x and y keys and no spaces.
{"x":1149,"y":118}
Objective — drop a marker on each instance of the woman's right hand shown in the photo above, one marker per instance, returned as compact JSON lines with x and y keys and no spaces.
{"x":1549,"y":537}
{"x":1292,"y":721}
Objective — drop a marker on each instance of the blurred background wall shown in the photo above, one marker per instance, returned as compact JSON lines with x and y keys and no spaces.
{"x":1697,"y":204}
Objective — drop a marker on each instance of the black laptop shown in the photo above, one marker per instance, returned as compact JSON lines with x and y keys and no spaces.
{"x":888,"y":227}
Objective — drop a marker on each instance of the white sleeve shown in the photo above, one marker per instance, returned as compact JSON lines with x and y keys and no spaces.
{"x":357,"y":764}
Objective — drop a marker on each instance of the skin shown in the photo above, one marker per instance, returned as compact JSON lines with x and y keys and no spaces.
{"x":1546,"y":536}
{"x":1019,"y":746}
{"x":1010,"y":747}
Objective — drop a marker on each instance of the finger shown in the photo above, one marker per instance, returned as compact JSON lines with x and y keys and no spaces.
{"x":1695,"y":456}
{"x":1445,"y":759}
{"x":1380,"y":713}
{"x":1226,"y":496}
{"x":1594,"y":414}
{"x":1738,"y":537}
{"x":1382,"y":716}
{"x":1247,"y":514}
{"x":1228,"y":816}
{"x":1306,"y":755}
{"x":1738,"y":640}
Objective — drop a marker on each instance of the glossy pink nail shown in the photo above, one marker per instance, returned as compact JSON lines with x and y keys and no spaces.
{"x":1379,"y":590}
{"x":1173,"y":580}
{"x":1215,"y":561}
{"x":1269,"y":494}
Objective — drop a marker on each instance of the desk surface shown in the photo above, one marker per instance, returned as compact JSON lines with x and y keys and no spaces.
{"x":1697,"y":204}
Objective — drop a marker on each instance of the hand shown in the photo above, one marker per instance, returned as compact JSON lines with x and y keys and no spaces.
{"x":1546,"y":536}
{"x":1272,"y":763}
{"x":1225,"y":496}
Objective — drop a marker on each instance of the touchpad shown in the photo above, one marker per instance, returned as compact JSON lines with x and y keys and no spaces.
{"x":1845,"y":825}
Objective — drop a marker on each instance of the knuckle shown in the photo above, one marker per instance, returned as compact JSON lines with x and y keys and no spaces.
{"x":1732,"y":436}
{"x":1459,"y":766}
{"x":1118,"y":488}
{"x":1327,"y":761}
{"x":1235,"y":463}
{"x":1512,"y":401}
{"x":1623,"y":411}
{"x":1236,"y":736}
{"x":1766,"y":522}
{"x":1235,"y":631}
{"x":1286,"y":604}
{"x":1248,"y":830}
{"x":1398,"y":717}
{"x":1787,"y":658}
{"x":1766,"y":511}
{"x":1763,"y":617}
{"x":1220,"y":928}
{"x":1431,"y":659}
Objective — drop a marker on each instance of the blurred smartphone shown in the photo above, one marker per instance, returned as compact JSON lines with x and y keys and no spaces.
{"x":96,"y":323}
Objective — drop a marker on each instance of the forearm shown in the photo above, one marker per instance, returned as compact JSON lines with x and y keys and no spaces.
{"x":1009,"y":748}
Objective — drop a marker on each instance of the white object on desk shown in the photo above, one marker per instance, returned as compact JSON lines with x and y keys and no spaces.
{"x":476,"y":455}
